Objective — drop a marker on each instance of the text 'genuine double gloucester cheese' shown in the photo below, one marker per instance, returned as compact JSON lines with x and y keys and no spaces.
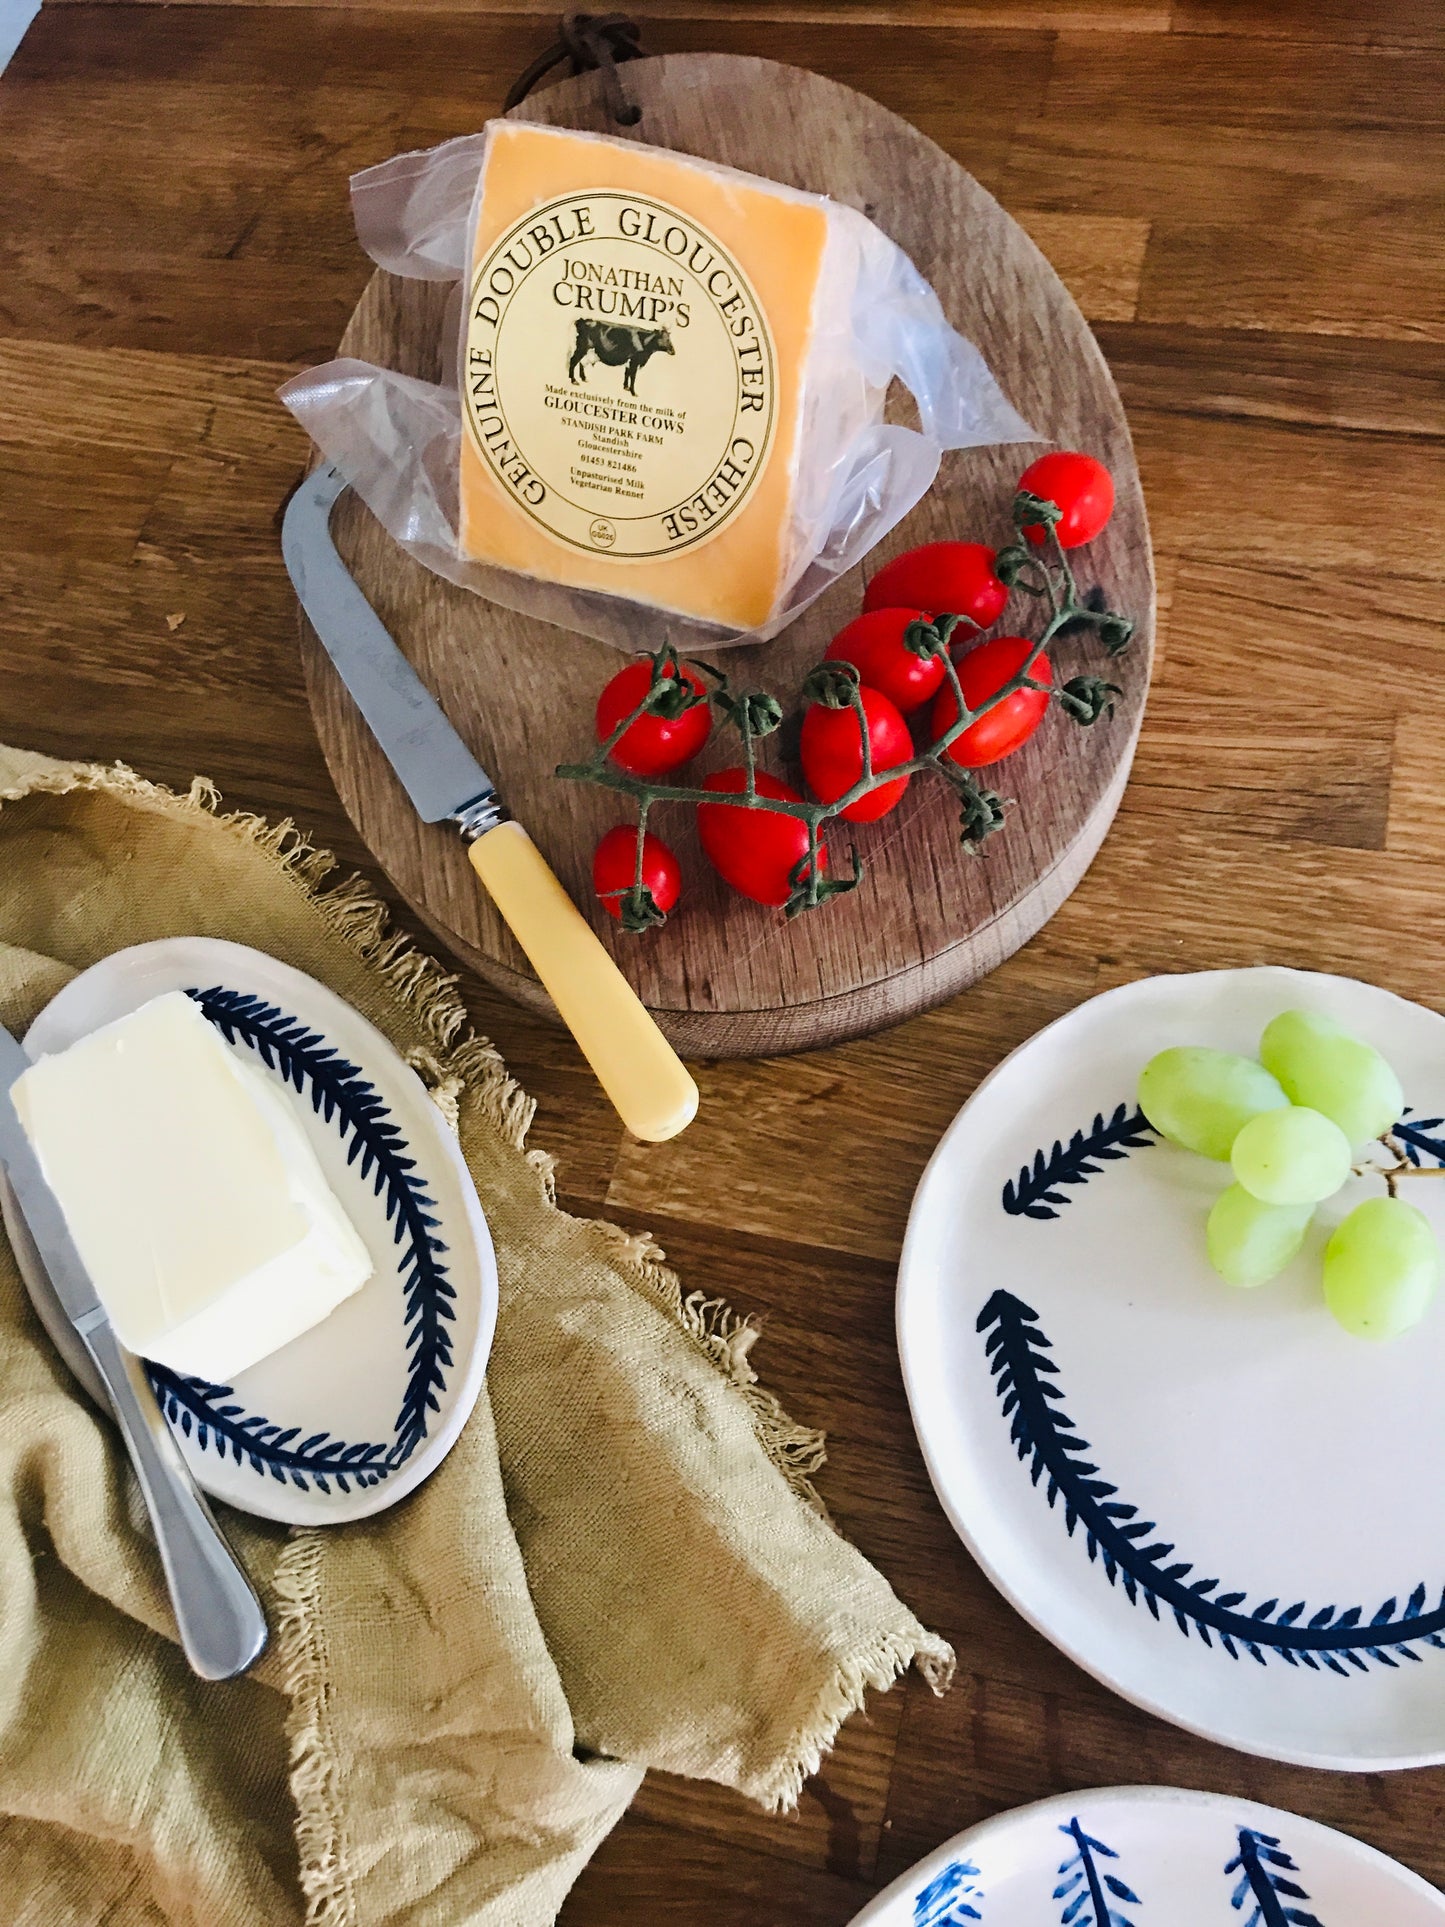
{"x":636,"y":337}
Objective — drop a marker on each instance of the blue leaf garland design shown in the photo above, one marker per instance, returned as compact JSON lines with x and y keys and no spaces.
{"x":1088,"y":1890}
{"x":948,"y":1899}
{"x":1117,"y":1538}
{"x":1421,"y":1138}
{"x":1264,"y":1870}
{"x":1035,"y":1192}
{"x":378,"y":1151}
{"x":197,"y":1407}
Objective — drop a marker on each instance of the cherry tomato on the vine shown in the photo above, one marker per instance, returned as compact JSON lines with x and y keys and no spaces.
{"x":873,"y":643}
{"x":946,"y":578}
{"x":1083,"y":490}
{"x":831,"y":749}
{"x":654,"y":744}
{"x":1009,"y":724}
{"x":614,"y":870}
{"x":754,"y":850}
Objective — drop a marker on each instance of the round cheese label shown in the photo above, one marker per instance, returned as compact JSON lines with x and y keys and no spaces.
{"x":620,"y":380}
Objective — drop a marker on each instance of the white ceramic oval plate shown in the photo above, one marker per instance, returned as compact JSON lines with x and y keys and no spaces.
{"x":1134,"y":1856}
{"x":355,"y":1413}
{"x":1214,"y":1500}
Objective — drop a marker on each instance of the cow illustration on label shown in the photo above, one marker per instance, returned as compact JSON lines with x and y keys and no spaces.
{"x":616,"y":346}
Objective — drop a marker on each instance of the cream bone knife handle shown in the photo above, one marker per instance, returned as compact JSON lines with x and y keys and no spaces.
{"x":634,"y":1063}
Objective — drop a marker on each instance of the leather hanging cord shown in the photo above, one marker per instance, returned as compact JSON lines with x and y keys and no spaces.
{"x":592,"y":42}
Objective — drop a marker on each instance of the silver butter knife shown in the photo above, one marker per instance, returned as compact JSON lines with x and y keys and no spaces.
{"x":634,"y":1063}
{"x":221,"y":1623}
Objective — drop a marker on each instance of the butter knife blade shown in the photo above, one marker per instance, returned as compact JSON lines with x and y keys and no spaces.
{"x":221,"y":1623}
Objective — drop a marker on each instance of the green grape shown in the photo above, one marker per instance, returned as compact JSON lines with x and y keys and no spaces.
{"x":1381,"y":1268}
{"x":1201,"y":1098}
{"x":1249,"y":1242}
{"x":1322,"y":1064}
{"x":1293,"y":1156}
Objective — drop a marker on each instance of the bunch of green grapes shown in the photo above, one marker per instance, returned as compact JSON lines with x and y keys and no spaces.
{"x":1289,"y":1124}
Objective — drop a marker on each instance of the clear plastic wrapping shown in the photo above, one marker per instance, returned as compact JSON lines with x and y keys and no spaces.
{"x":635,"y":343}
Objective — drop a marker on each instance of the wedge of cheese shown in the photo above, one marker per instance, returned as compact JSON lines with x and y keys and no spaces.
{"x":634,"y":358}
{"x":191,"y":1190}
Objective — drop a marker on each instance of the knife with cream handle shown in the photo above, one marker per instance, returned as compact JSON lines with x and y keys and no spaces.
{"x":219,"y":1617}
{"x":636,"y":1066}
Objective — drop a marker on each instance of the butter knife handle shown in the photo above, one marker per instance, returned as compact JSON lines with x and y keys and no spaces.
{"x":636,"y":1066}
{"x":221,"y":1624}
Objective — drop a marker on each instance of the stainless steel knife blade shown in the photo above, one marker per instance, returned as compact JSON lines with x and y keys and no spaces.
{"x":437,"y":770}
{"x":37,"y":1201}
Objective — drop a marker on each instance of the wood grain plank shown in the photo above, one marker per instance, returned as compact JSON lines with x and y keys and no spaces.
{"x":137,"y":489}
{"x":1098,"y":257}
{"x":1415,"y":822}
{"x":1050,"y":16}
{"x":1193,"y":373}
{"x":1310,"y":280}
{"x":272,"y":124}
{"x":1271,"y":205}
{"x":1201,"y":172}
{"x":995,"y":1744}
{"x":749,"y":1176}
{"x":1237,"y":628}
{"x":643,"y":1872}
{"x":1217,"y":80}
{"x":838,"y":1825}
{"x":1383,"y":23}
{"x":1264,"y":492}
{"x":1229,"y":764}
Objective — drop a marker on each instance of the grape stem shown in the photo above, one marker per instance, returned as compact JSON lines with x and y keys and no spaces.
{"x":1403,"y":1168}
{"x":755,"y":714}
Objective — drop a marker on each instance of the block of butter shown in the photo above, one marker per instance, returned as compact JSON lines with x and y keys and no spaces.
{"x":191,"y":1190}
{"x":634,"y":365}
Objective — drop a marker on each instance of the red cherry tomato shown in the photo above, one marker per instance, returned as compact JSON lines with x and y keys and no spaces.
{"x":946,"y":578}
{"x":1081,"y":487}
{"x":756,"y":851}
{"x":873,"y":643}
{"x":832,"y":753}
{"x":1009,"y":724}
{"x":654,"y":744}
{"x":614,"y":869}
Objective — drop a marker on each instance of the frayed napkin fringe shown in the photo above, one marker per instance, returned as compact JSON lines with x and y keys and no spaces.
{"x":874,"y":1670}
{"x":300,"y":1645}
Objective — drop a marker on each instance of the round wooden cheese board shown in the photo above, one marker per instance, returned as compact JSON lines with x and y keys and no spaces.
{"x":725,"y":977}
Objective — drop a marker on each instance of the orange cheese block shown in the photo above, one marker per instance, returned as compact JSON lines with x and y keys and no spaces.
{"x":634,"y":361}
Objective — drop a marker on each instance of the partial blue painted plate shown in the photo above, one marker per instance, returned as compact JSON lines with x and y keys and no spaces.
{"x":1154,"y":1857}
{"x":1214,"y":1500}
{"x":354,"y":1414}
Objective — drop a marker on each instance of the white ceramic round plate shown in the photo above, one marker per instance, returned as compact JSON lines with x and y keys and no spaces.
{"x":1214,"y":1500}
{"x":355,"y":1413}
{"x":1134,"y":1856}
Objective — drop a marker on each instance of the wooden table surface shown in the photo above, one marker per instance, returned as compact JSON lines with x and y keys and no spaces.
{"x":1246,"y":197}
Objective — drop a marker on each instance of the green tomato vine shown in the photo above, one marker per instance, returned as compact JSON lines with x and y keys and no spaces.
{"x":1046,"y":575}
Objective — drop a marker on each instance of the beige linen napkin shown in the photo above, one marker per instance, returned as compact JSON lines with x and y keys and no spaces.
{"x":620,"y":1565}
